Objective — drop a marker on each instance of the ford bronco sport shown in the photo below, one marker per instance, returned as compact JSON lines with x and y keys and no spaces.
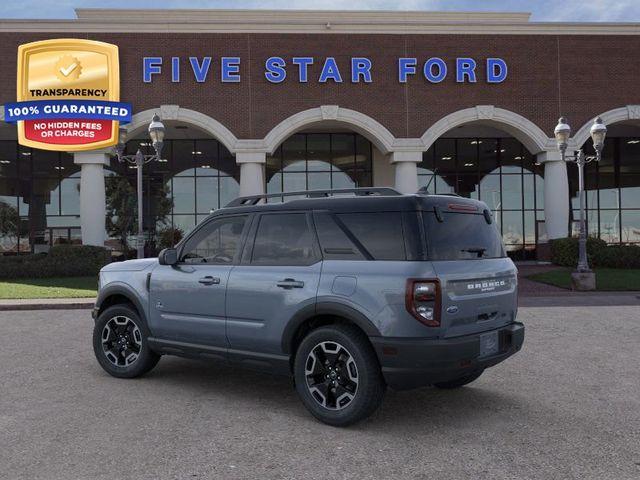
{"x":347,"y":294}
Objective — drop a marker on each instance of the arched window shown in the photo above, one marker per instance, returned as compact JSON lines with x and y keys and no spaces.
{"x":315,"y":161}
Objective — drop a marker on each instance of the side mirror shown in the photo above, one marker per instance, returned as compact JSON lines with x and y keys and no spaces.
{"x":168,"y":256}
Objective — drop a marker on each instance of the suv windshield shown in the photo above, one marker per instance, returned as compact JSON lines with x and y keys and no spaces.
{"x":461,"y":236}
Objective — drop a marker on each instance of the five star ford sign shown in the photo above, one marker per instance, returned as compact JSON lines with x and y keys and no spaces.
{"x":68,"y":95}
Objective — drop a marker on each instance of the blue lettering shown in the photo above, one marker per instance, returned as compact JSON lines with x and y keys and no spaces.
{"x":303,"y":64}
{"x":406,"y":66}
{"x":428,"y":70}
{"x":330,"y":71}
{"x":175,"y":69}
{"x":200,"y":71}
{"x":496,"y":70}
{"x":275,"y":69}
{"x":360,"y":67}
{"x":465,"y":67}
{"x":230,"y":70}
{"x":151,"y":66}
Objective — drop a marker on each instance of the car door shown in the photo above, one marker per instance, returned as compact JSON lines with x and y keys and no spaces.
{"x":278,"y":276}
{"x":187,"y":300}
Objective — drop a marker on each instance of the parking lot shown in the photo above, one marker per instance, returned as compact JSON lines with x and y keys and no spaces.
{"x":567,"y":406}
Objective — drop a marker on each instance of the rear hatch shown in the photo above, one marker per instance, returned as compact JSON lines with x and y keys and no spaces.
{"x":478,"y":281}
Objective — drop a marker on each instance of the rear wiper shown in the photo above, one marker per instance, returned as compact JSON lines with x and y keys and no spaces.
{"x":478,"y":250}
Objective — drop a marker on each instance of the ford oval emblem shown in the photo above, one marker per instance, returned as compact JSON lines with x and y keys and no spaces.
{"x":452,"y":309}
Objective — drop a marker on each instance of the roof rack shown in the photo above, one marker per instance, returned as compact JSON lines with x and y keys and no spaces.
{"x":359,"y":192}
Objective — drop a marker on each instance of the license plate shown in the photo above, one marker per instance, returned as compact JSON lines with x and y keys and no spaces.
{"x":489,"y":344}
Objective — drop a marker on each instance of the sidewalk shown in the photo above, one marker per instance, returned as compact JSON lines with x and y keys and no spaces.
{"x":46,"y":304}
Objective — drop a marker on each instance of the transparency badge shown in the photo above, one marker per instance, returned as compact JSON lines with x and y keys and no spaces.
{"x":68,"y":95}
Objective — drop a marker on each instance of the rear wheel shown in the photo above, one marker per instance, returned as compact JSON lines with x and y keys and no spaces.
{"x":338,"y":376}
{"x":120,"y":343}
{"x":459,"y":382}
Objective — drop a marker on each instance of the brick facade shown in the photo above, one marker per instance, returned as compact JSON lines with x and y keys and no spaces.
{"x":575,"y":75}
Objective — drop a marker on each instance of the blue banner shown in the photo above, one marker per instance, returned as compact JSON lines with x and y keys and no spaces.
{"x":67,"y":109}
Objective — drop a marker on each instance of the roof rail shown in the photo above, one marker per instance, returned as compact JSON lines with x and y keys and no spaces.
{"x":359,"y":192}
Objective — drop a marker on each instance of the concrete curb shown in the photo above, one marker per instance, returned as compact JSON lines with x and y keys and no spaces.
{"x":47,"y":304}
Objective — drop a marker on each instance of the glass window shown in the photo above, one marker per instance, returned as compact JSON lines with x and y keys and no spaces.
{"x":630,"y":190}
{"x":379,"y":233}
{"x":631,"y":226}
{"x":445,"y":240}
{"x":283,"y":239}
{"x":216,"y":243}
{"x":318,"y":152}
{"x":334,"y":242}
{"x":445,"y":156}
{"x":512,"y":228}
{"x":294,"y":153}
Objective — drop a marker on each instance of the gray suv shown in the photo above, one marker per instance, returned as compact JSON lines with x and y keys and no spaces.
{"x":347,"y":291}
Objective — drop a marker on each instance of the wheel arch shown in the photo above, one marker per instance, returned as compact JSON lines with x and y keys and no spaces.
{"x":118,"y":294}
{"x":323,"y":313}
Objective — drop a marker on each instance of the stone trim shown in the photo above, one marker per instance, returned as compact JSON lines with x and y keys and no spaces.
{"x":532,"y":136}
{"x":140,"y":121}
{"x":310,"y":21}
{"x":358,"y":122}
{"x":629,"y":112}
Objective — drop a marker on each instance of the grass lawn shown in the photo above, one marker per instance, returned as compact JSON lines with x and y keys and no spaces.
{"x":607,"y":279}
{"x":70,"y":287}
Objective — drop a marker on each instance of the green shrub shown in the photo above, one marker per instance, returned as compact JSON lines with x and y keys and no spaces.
{"x":61,"y":261}
{"x":564,"y":252}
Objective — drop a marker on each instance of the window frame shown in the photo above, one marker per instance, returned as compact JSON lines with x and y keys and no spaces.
{"x":247,"y":253}
{"x":204,"y":228}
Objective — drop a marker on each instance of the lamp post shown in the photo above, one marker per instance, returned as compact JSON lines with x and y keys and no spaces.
{"x":156,"y":133}
{"x":562,"y":133}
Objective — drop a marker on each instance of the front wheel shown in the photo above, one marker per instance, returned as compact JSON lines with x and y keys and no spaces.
{"x":459,"y":382}
{"x":120,"y":343}
{"x":338,"y":376}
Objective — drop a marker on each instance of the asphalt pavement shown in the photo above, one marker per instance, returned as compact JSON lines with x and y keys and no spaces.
{"x":567,"y":406}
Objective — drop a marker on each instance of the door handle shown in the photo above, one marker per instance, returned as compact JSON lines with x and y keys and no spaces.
{"x":289,"y":283}
{"x":209,"y":280}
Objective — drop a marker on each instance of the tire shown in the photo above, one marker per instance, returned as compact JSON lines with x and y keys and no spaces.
{"x":120,"y":343}
{"x":337,"y":375}
{"x":459,"y":382}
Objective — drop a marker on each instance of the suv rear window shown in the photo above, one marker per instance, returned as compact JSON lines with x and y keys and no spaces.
{"x":461,"y":236}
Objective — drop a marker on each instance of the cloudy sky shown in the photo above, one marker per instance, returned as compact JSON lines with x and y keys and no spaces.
{"x":542,"y":10}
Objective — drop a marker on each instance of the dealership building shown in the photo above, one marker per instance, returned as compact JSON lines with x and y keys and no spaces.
{"x":277,"y":101}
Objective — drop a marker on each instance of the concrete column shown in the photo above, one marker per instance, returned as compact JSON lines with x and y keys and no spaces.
{"x":93,"y":208}
{"x":251,"y":172}
{"x":556,"y":194}
{"x":406,"y":167}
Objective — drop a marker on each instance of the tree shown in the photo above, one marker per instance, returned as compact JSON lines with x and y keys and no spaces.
{"x":9,"y":222}
{"x":122,"y":208}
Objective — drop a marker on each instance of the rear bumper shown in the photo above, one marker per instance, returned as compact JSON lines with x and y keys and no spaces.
{"x":412,"y":363}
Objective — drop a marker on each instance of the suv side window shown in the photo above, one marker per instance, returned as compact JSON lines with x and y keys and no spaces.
{"x":335,"y":243}
{"x":216,"y":243}
{"x":284,"y":239}
{"x":380,"y":233}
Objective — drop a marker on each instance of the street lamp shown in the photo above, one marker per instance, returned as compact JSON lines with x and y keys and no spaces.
{"x":562,"y":133}
{"x":156,"y":133}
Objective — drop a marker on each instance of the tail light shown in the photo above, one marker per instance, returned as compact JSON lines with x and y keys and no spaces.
{"x":422,"y":299}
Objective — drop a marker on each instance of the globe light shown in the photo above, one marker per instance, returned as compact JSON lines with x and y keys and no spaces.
{"x":598,"y":132}
{"x":562,"y":133}
{"x":156,"y":133}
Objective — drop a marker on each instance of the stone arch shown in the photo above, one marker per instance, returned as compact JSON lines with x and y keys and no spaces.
{"x":527,"y":132}
{"x":622,"y":114}
{"x":382,"y":138}
{"x":141,"y":120}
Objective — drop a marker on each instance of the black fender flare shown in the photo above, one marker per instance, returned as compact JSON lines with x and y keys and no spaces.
{"x":124,"y":290}
{"x":326,"y":308}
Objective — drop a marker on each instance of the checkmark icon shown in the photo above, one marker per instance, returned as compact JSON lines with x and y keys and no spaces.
{"x":66,"y":71}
